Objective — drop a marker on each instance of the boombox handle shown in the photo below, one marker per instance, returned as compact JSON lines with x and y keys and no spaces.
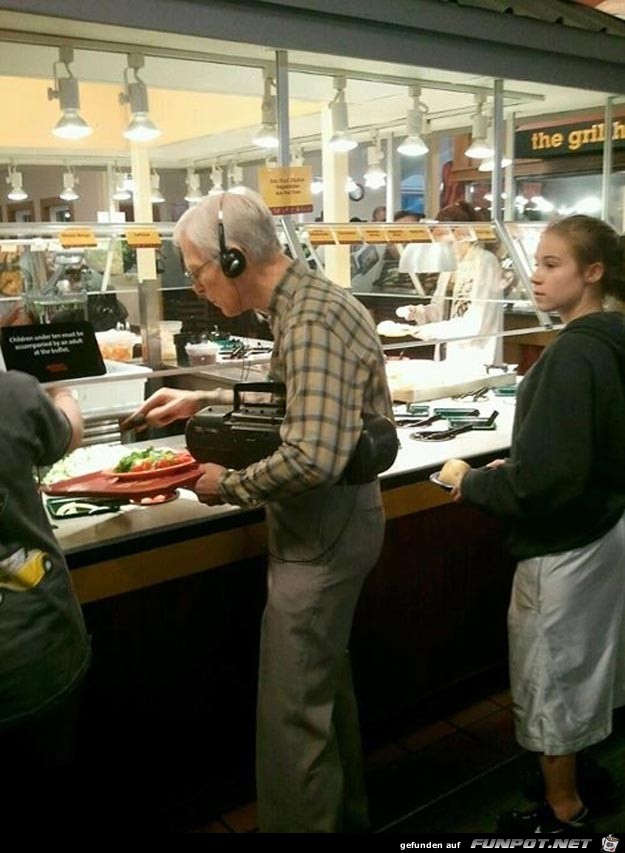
{"x":275,"y":388}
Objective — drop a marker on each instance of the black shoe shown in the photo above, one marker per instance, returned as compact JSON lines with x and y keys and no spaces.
{"x":595,"y":785}
{"x":542,"y":821}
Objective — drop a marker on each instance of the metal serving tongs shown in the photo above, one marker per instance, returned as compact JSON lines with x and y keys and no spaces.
{"x":411,"y":421}
{"x":440,"y":434}
{"x":453,"y":431}
{"x":440,"y":414}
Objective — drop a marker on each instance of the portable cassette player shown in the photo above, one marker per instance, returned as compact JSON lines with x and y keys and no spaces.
{"x":237,"y":436}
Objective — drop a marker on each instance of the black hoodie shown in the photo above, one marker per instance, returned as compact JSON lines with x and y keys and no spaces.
{"x":564,"y":483}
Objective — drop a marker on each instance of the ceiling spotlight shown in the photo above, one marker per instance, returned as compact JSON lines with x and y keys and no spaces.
{"x":194,"y":193}
{"x":14,"y":179}
{"x":267,"y":136}
{"x":413,"y":145}
{"x":140,"y":128}
{"x":479,"y":148}
{"x":297,"y":158}
{"x":156,"y":196}
{"x":69,"y":186}
{"x":341,"y":139}
{"x":122,"y":191}
{"x":316,"y":186}
{"x":217,"y":179}
{"x":488,"y":164}
{"x":71,"y":125}
{"x":375,"y":176}
{"x":235,"y":179}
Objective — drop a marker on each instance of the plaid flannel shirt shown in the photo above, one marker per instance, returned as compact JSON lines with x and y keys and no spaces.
{"x":327,"y":353}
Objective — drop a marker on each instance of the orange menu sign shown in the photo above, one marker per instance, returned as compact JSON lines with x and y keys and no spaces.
{"x":374,"y":234}
{"x":286,"y":189}
{"x":73,"y":237}
{"x":484,"y":233}
{"x":146,"y":238}
{"x":418,"y":234}
{"x":320,"y":236}
{"x":348,"y":235}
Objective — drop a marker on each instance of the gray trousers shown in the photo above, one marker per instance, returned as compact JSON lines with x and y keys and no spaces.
{"x":308,"y":757}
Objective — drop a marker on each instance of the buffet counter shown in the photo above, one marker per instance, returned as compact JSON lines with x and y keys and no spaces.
{"x":182,"y":537}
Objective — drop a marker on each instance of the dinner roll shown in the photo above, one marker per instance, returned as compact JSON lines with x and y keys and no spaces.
{"x":453,"y":471}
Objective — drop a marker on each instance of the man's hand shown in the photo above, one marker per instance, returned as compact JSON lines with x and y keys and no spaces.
{"x":207,"y":487}
{"x":164,"y":407}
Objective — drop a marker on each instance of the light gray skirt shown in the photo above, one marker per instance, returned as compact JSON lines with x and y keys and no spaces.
{"x":566,"y":626}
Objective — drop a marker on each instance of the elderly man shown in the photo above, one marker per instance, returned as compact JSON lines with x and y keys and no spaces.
{"x":325,"y":535}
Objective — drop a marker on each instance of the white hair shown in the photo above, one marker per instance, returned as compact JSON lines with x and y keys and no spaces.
{"x":247,"y":222}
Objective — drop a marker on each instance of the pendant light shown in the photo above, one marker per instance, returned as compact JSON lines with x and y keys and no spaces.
{"x":71,"y":125}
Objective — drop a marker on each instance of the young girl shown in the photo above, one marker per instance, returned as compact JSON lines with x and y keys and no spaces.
{"x":563,"y":493}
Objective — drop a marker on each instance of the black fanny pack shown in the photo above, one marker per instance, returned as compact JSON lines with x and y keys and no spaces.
{"x":375,"y":452}
{"x":236,"y":437}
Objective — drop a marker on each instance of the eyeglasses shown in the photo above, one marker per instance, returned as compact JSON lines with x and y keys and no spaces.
{"x":192,"y":276}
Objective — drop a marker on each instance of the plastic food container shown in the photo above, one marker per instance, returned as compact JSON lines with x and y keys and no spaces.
{"x":117,"y":345}
{"x":202,"y":353}
{"x":169,"y":328}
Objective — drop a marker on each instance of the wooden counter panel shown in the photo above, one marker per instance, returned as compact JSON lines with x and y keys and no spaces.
{"x":168,"y":562}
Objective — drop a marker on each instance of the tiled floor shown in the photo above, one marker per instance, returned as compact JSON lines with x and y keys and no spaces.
{"x":453,"y":774}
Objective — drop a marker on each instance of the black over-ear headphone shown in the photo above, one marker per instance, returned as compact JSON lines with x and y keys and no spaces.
{"x":232,"y":261}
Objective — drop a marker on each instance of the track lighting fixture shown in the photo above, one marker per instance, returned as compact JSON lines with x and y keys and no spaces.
{"x":194,"y":193}
{"x":217,"y":180}
{"x":375,"y":176}
{"x":235,"y":179}
{"x":413,"y":145}
{"x":267,"y":136}
{"x":479,"y":148}
{"x":341,"y":139}
{"x":68,"y":193}
{"x":121,"y":191}
{"x":156,"y":196}
{"x":140,"y":128}
{"x":14,"y":179}
{"x":71,"y":125}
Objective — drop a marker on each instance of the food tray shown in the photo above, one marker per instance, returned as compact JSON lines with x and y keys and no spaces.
{"x":103,"y":485}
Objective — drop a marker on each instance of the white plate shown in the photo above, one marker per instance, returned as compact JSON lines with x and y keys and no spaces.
{"x":391,"y":329}
{"x":434,"y":478}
